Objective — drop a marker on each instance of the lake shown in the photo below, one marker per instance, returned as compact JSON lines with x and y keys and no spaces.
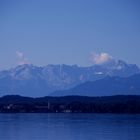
{"x":69,"y":127}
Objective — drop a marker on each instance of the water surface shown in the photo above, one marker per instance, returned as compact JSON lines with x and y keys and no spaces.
{"x":69,"y":127}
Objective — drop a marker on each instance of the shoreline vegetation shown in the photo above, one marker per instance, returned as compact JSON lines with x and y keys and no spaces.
{"x":121,"y":104}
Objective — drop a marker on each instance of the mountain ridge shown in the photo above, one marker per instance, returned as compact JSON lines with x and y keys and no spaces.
{"x":30,"y":80}
{"x":107,"y":86}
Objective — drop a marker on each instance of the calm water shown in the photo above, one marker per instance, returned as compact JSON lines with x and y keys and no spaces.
{"x":69,"y":127}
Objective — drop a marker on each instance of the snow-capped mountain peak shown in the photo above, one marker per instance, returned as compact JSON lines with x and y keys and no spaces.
{"x":29,"y":79}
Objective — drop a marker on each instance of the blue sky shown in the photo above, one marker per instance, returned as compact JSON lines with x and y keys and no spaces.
{"x":67,"y":31}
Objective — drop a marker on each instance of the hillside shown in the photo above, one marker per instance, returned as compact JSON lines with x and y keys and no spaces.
{"x":105,"y":87}
{"x":70,"y":104}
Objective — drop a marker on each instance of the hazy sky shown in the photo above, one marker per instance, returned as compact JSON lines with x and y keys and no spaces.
{"x":66,"y":31}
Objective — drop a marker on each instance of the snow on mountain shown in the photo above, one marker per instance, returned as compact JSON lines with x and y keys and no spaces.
{"x":107,"y":86}
{"x":30,"y":80}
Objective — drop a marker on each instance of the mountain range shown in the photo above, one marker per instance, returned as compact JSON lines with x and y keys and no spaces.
{"x":107,"y":86}
{"x":30,"y":80}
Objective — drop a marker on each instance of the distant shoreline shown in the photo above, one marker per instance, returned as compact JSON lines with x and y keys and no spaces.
{"x":119,"y":104}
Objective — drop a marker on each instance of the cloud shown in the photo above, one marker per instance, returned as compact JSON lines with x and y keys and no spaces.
{"x":21,"y":58}
{"x":101,"y":58}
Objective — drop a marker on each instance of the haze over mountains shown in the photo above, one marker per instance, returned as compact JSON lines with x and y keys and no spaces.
{"x":107,"y":86}
{"x":29,"y":80}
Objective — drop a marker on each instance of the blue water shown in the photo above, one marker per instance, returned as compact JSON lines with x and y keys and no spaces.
{"x":69,"y":127}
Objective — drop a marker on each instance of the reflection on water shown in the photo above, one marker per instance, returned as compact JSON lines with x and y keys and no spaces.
{"x":69,"y":127}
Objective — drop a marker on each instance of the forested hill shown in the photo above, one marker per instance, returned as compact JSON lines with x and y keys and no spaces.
{"x":71,"y":104}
